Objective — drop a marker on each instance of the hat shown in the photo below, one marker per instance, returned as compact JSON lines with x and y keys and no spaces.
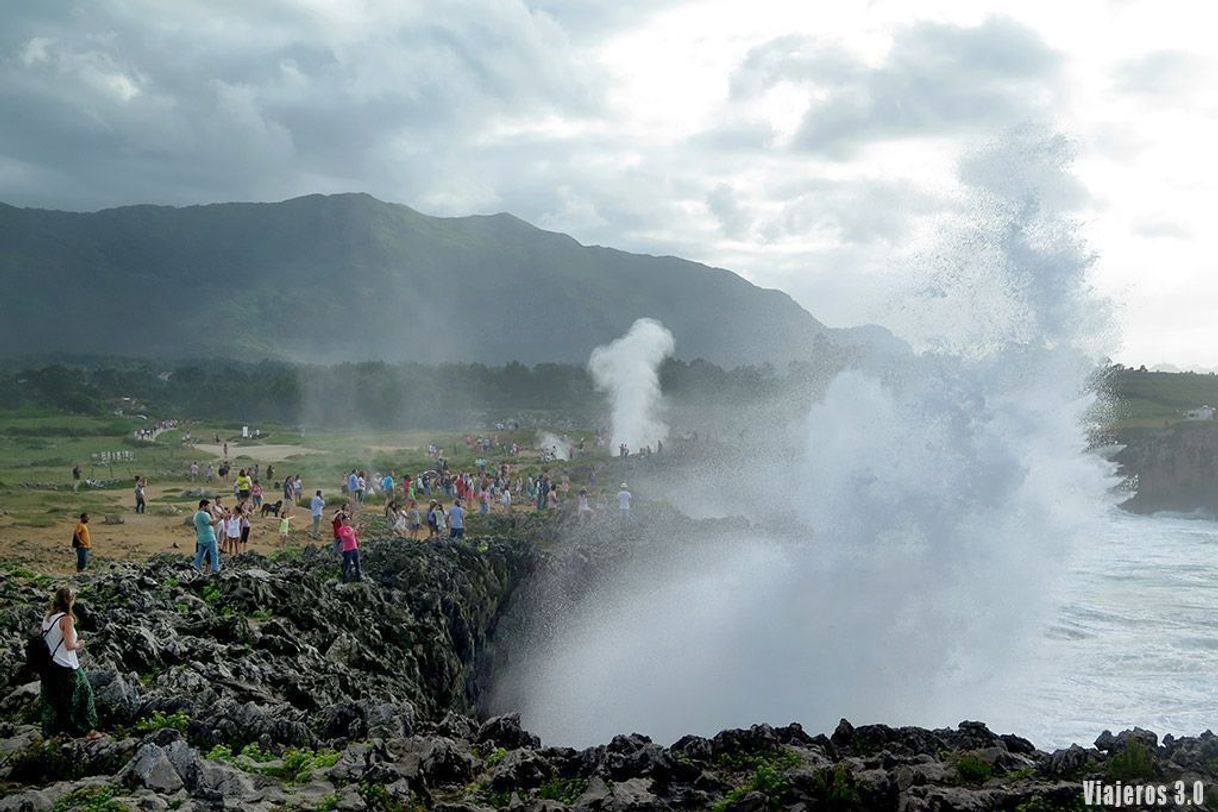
{"x":623,"y":484}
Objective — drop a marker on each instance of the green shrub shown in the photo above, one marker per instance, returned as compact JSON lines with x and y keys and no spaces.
{"x":972,"y":769}
{"x":840,"y":787}
{"x":497,"y":756}
{"x":1132,"y":763}
{"x":221,"y":752}
{"x":563,"y":791}
{"x":252,"y":752}
{"x":159,"y":721}
{"x":768,"y":774}
{"x":91,"y":799}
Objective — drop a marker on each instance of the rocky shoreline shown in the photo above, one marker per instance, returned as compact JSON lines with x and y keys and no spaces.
{"x":274,"y":687}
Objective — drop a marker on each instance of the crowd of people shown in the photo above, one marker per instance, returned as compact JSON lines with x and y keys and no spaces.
{"x":430,"y":504}
{"x":149,"y":433}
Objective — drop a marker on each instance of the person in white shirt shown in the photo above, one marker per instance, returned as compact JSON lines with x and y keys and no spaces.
{"x":67,"y":697}
{"x":623,"y":501}
{"x":232,"y":531}
{"x":317,"y":506}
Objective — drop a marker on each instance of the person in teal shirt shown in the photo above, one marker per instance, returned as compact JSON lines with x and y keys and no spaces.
{"x":205,"y":537}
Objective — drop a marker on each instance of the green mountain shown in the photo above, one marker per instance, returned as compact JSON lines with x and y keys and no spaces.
{"x":348,"y":277}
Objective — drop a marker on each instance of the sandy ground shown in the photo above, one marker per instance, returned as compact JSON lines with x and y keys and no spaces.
{"x":50,"y":548}
{"x":258,"y":453}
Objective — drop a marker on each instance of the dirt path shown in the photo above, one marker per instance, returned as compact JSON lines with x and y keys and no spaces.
{"x":258,"y":453}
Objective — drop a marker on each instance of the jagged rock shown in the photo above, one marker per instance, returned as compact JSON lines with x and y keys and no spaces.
{"x":438,"y":760}
{"x":117,"y":700}
{"x":387,"y":672}
{"x":1107,"y":743}
{"x":752,"y":802}
{"x":523,"y":769}
{"x":20,"y":697}
{"x":1064,"y":762}
{"x":505,"y":731}
{"x":456,"y":726}
{"x":627,"y":796}
{"x":31,"y":800}
{"x":226,"y":781}
{"x":843,"y":734}
{"x":153,"y":769}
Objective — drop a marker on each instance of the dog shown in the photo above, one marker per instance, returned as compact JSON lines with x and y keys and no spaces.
{"x":272,"y":509}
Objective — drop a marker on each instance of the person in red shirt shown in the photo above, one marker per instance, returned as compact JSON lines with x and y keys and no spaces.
{"x":349,"y":542}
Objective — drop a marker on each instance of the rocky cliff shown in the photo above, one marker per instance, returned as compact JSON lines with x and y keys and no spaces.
{"x":274,"y":687}
{"x":1173,"y":469}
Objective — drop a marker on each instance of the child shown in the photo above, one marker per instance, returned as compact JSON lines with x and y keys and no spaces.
{"x":399,"y":522}
{"x":415,"y":520}
{"x":285,"y":527}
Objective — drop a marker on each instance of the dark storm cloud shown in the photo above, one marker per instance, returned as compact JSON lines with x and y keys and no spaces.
{"x":122,"y":102}
{"x":937,"y":79}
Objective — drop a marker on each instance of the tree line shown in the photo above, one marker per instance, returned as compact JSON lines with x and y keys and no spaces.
{"x":370,"y":394}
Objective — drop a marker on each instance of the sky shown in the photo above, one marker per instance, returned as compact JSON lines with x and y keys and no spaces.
{"x":807,"y":146}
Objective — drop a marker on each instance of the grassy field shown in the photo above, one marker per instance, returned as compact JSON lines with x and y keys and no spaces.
{"x":38,"y":506}
{"x":1153,"y":399}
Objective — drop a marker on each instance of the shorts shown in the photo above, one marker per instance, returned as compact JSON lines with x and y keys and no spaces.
{"x":245,"y":535}
{"x":243,"y":495}
{"x":457,"y":533}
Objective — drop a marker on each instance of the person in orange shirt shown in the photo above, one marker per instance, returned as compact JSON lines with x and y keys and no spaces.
{"x":82,"y":543}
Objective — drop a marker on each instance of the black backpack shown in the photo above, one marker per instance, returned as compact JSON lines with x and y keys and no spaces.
{"x":38,"y":656}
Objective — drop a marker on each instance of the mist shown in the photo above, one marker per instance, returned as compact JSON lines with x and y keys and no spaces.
{"x":628,"y":370}
{"x":901,"y":557}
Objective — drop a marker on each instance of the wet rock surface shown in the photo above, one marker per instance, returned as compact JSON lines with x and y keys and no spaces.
{"x":274,"y":687}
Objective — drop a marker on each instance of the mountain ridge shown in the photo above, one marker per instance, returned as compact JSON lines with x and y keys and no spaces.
{"x":350,"y":277}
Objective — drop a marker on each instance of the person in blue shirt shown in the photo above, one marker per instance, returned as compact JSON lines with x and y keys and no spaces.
{"x":352,"y":483}
{"x":456,"y":520}
{"x":317,"y":506}
{"x":387,"y":486}
{"x":205,"y":536}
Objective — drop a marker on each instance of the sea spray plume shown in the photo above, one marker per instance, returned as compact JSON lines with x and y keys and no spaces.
{"x":549,"y":441}
{"x":628,"y":369}
{"x":935,"y":500}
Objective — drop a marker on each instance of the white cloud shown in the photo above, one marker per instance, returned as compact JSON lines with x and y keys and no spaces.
{"x":807,"y":146}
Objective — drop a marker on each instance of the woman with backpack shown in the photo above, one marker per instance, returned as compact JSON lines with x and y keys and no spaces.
{"x":67,"y":697}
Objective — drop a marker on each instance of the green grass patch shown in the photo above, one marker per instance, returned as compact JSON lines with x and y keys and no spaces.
{"x":91,"y":799}
{"x":159,"y":721}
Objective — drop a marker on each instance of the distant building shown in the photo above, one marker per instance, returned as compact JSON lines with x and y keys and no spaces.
{"x":1203,"y":413}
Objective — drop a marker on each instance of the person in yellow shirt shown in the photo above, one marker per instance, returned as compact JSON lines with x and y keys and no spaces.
{"x":82,"y":543}
{"x":245,"y":485}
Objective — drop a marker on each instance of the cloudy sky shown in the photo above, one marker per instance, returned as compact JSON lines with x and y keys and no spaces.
{"x":807,"y":146}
